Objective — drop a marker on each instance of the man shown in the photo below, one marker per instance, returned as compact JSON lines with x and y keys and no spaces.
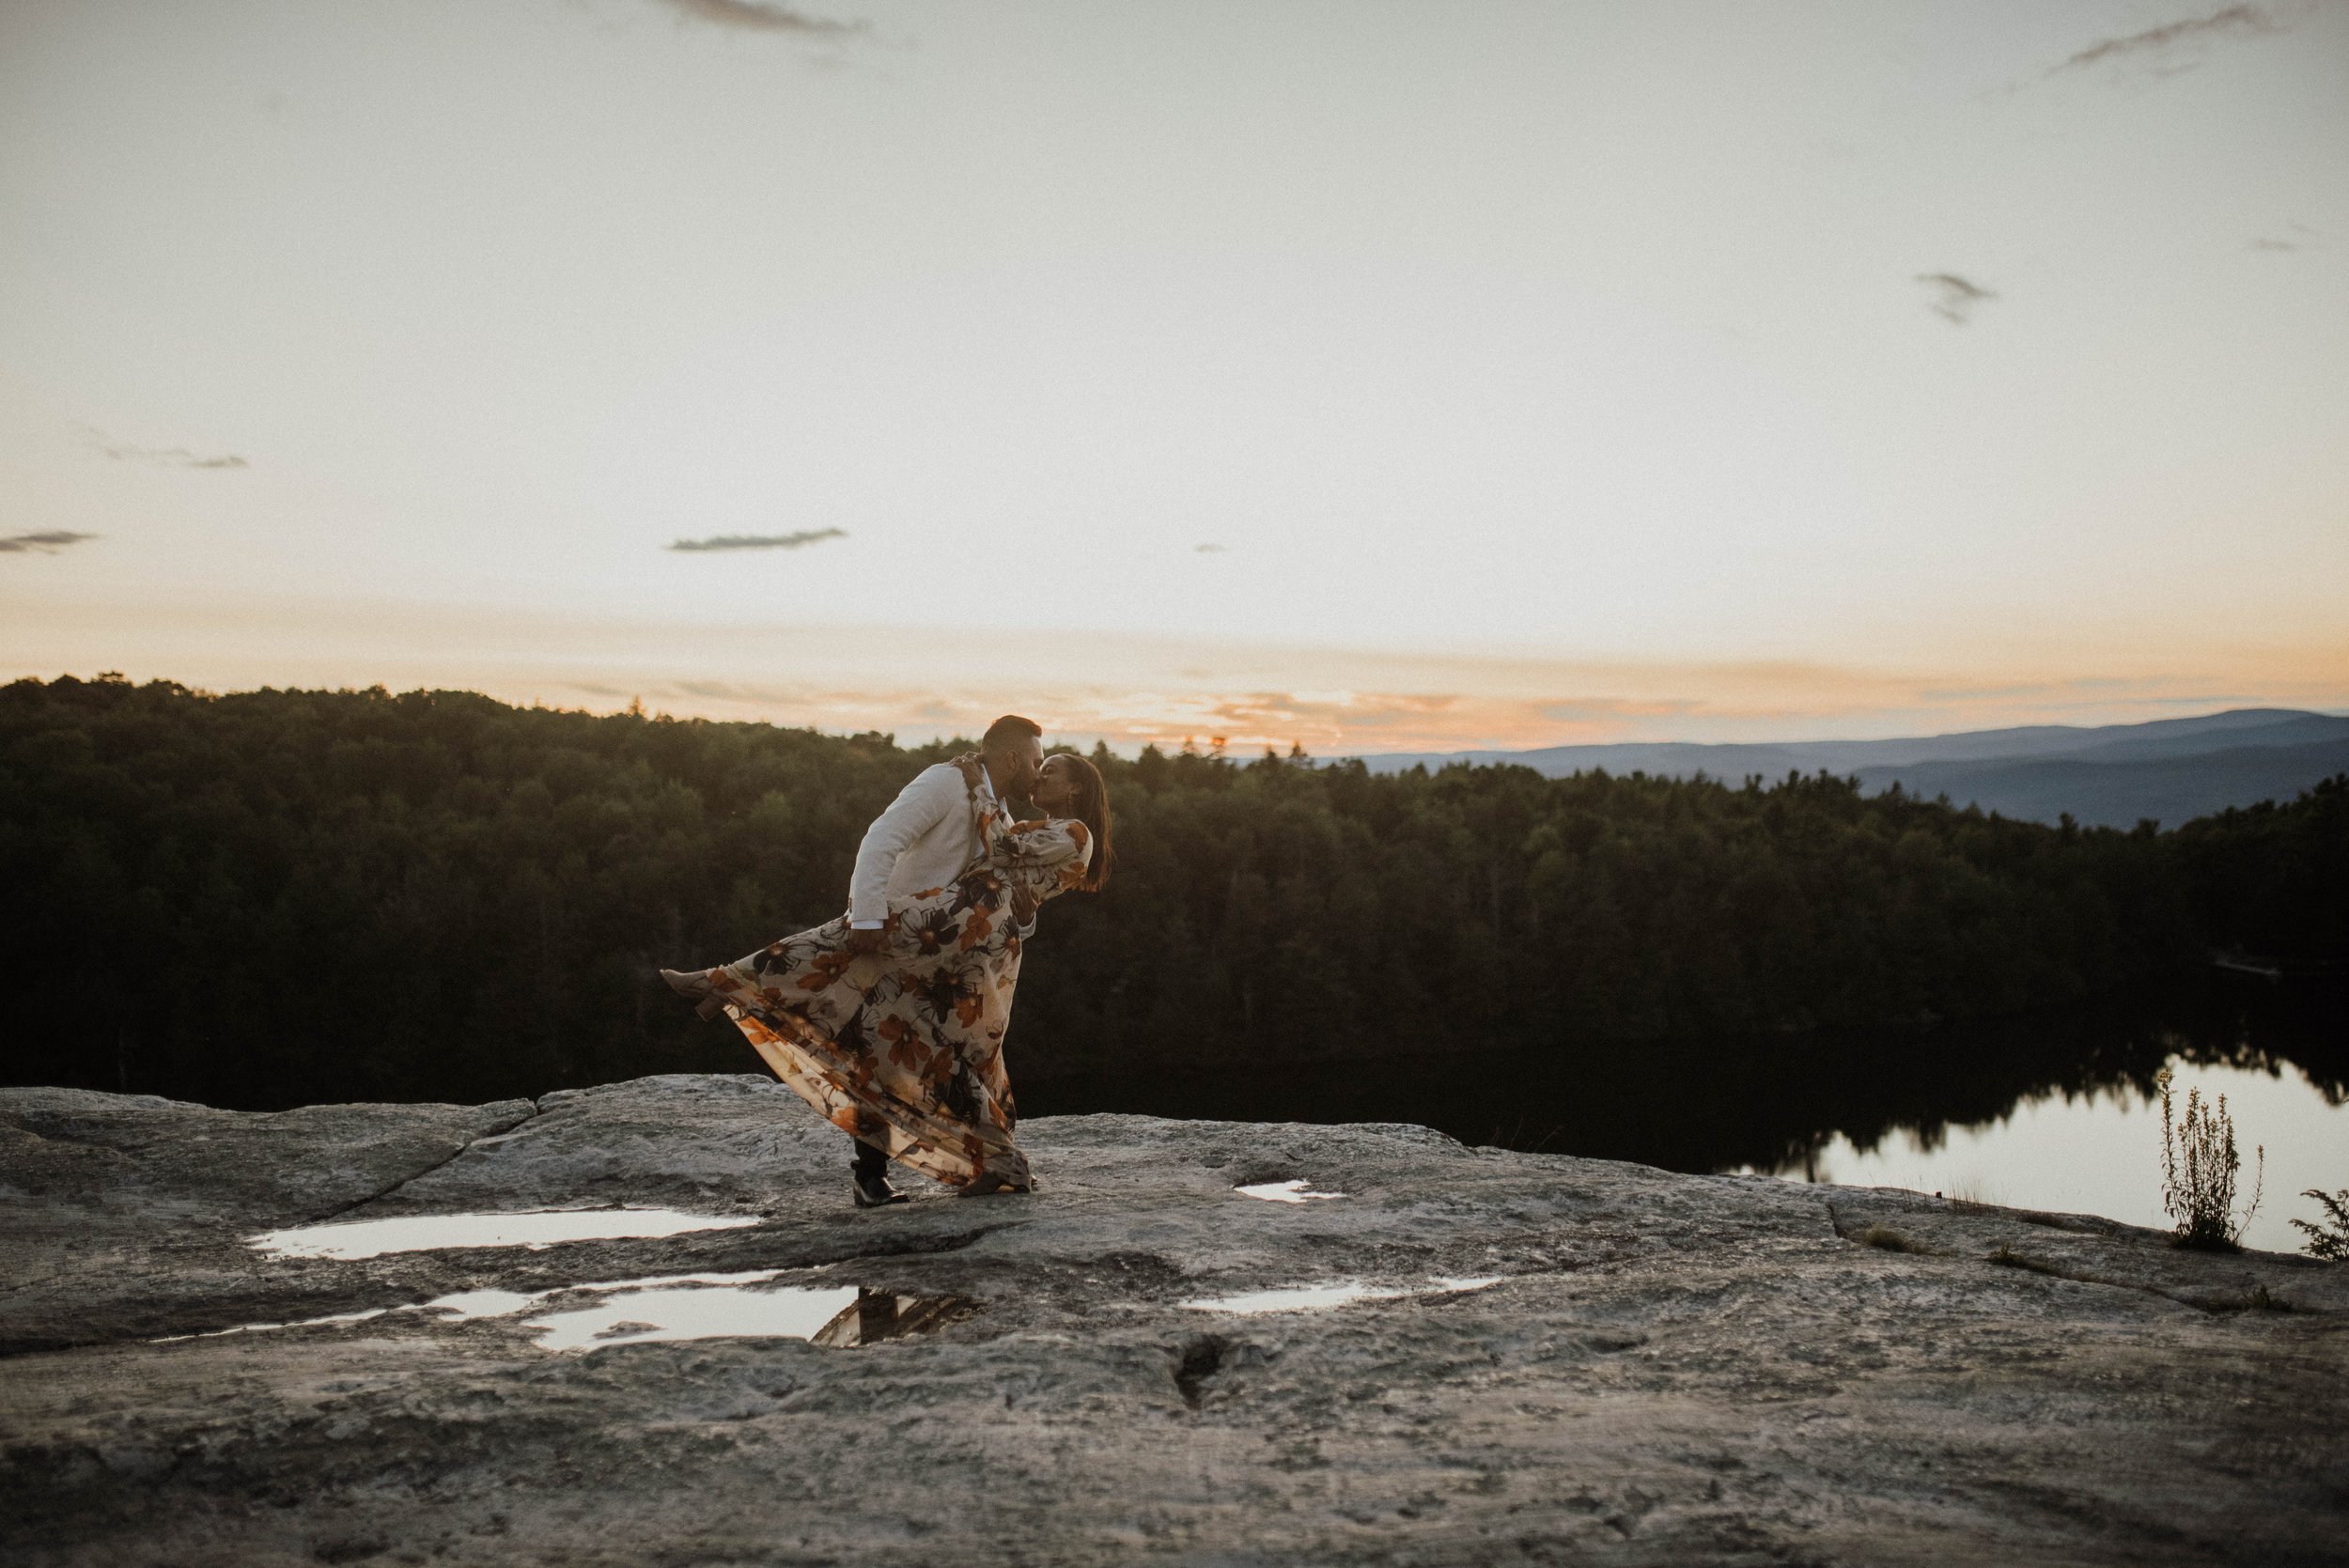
{"x":922,"y":841}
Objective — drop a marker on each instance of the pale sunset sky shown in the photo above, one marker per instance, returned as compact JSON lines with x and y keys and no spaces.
{"x":1374,"y":376}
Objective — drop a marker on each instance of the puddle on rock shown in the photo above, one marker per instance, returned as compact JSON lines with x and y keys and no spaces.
{"x":678,"y":1307}
{"x":875,"y":1315}
{"x":1337,"y":1293}
{"x":1284,"y":1193}
{"x":843,"y":1318}
{"x":478,"y":1303}
{"x":694,"y":1313}
{"x":533,"y":1228}
{"x":506,"y":1303}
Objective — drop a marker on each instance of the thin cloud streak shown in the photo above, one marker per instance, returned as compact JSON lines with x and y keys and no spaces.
{"x":47,"y":544}
{"x":753,"y":16}
{"x":760,"y":541}
{"x":2235,"y":20}
{"x":1958,"y":295}
{"x":170,"y":457}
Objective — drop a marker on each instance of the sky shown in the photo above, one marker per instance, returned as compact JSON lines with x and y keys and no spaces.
{"x":1368,"y":376}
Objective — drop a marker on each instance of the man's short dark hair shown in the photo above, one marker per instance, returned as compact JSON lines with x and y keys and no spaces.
{"x":1009,"y":731}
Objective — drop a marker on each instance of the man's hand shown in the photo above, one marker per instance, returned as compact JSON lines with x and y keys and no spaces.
{"x":863,"y":942}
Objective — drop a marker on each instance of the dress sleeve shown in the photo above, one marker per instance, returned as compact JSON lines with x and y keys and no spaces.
{"x":1058,"y":841}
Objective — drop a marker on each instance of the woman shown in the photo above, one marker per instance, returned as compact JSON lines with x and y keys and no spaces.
{"x":903,"y":1049}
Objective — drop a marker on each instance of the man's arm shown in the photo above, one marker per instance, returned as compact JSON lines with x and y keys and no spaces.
{"x":934,"y":794}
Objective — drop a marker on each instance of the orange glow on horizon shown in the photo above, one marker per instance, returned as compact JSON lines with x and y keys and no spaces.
{"x":1132,"y":691}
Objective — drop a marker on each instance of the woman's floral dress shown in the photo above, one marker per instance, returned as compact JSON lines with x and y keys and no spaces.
{"x":903,"y":1047}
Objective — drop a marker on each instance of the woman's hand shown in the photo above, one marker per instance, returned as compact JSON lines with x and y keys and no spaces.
{"x":968,"y":763}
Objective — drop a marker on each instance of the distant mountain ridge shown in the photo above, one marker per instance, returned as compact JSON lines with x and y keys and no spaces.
{"x":2109,"y":775}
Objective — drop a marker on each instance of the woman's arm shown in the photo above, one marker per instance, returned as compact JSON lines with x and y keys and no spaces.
{"x":1026,"y":848}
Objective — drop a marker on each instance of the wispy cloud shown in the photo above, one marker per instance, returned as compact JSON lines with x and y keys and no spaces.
{"x":1955,"y":298}
{"x":2163,"y":48}
{"x":1601,"y":710}
{"x":757,"y":17}
{"x":47,"y":544}
{"x":165,"y":457}
{"x":2302,"y":236}
{"x":762,"y":541}
{"x":1209,"y":550}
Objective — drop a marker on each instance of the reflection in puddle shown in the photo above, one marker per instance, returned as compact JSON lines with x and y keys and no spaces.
{"x":694,"y":1313}
{"x":2099,"y":1151}
{"x":843,"y":1318}
{"x":678,"y":1307}
{"x":506,"y":1303}
{"x":1300,"y":1299}
{"x":479,"y":1303}
{"x":1284,"y":1193}
{"x":447,"y":1231}
{"x":875,"y":1315}
{"x":425,"y":1232}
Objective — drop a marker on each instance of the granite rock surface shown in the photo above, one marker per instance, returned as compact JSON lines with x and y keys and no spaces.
{"x":1583,"y":1361}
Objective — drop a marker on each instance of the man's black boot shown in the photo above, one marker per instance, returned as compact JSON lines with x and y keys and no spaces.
{"x":870,"y":1178}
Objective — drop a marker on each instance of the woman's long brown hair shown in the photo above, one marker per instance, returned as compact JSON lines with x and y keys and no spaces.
{"x":1091,"y":808}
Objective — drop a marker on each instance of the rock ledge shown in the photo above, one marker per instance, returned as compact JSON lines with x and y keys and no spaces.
{"x":1670,"y":1369}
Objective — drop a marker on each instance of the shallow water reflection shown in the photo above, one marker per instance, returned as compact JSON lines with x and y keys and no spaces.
{"x":531,"y":1229}
{"x":693,"y":1312}
{"x":676,"y":1307}
{"x":2049,"y":1110}
{"x":2100,"y":1152}
{"x":1284,"y":1193}
{"x":1335,"y":1292}
{"x":875,"y":1315}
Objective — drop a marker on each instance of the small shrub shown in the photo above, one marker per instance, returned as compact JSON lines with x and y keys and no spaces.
{"x":2329,"y":1239}
{"x":1890,"y":1241}
{"x":2199,"y":1164}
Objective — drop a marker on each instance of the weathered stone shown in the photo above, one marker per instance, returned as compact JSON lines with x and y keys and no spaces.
{"x":1673,"y":1368}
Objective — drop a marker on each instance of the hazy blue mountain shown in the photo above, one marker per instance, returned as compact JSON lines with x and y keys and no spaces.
{"x":2295,"y":730}
{"x":2169,"y":768}
{"x":2119,"y":794}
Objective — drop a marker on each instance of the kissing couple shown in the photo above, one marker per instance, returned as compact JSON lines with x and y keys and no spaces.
{"x":889,"y":1020}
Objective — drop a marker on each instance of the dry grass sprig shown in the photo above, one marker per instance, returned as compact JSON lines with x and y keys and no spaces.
{"x":2329,"y":1238}
{"x":2199,"y":1164}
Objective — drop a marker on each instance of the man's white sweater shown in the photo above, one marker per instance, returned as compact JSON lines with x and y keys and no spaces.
{"x":922,"y":841}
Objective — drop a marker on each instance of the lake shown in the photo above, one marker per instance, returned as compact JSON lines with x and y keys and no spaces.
{"x":2055,"y":1112}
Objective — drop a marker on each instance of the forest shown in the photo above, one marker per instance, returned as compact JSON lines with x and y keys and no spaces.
{"x":279,"y":897}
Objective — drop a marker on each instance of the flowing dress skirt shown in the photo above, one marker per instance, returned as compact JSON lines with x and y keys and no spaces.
{"x":902,"y":1048}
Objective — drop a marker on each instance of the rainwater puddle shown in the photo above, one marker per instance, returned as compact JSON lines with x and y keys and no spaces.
{"x":676,"y":1307}
{"x":1302,"y":1298}
{"x":843,"y":1318}
{"x":534,"y":1229}
{"x":690,"y":1313}
{"x":1284,"y":1192}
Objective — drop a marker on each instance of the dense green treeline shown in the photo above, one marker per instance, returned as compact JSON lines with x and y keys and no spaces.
{"x":283,"y":896}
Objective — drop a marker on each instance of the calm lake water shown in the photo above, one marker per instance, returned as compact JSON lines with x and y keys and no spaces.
{"x":2053,"y":1111}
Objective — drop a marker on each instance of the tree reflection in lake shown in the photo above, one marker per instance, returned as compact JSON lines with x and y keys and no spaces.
{"x":1785,"y":1104}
